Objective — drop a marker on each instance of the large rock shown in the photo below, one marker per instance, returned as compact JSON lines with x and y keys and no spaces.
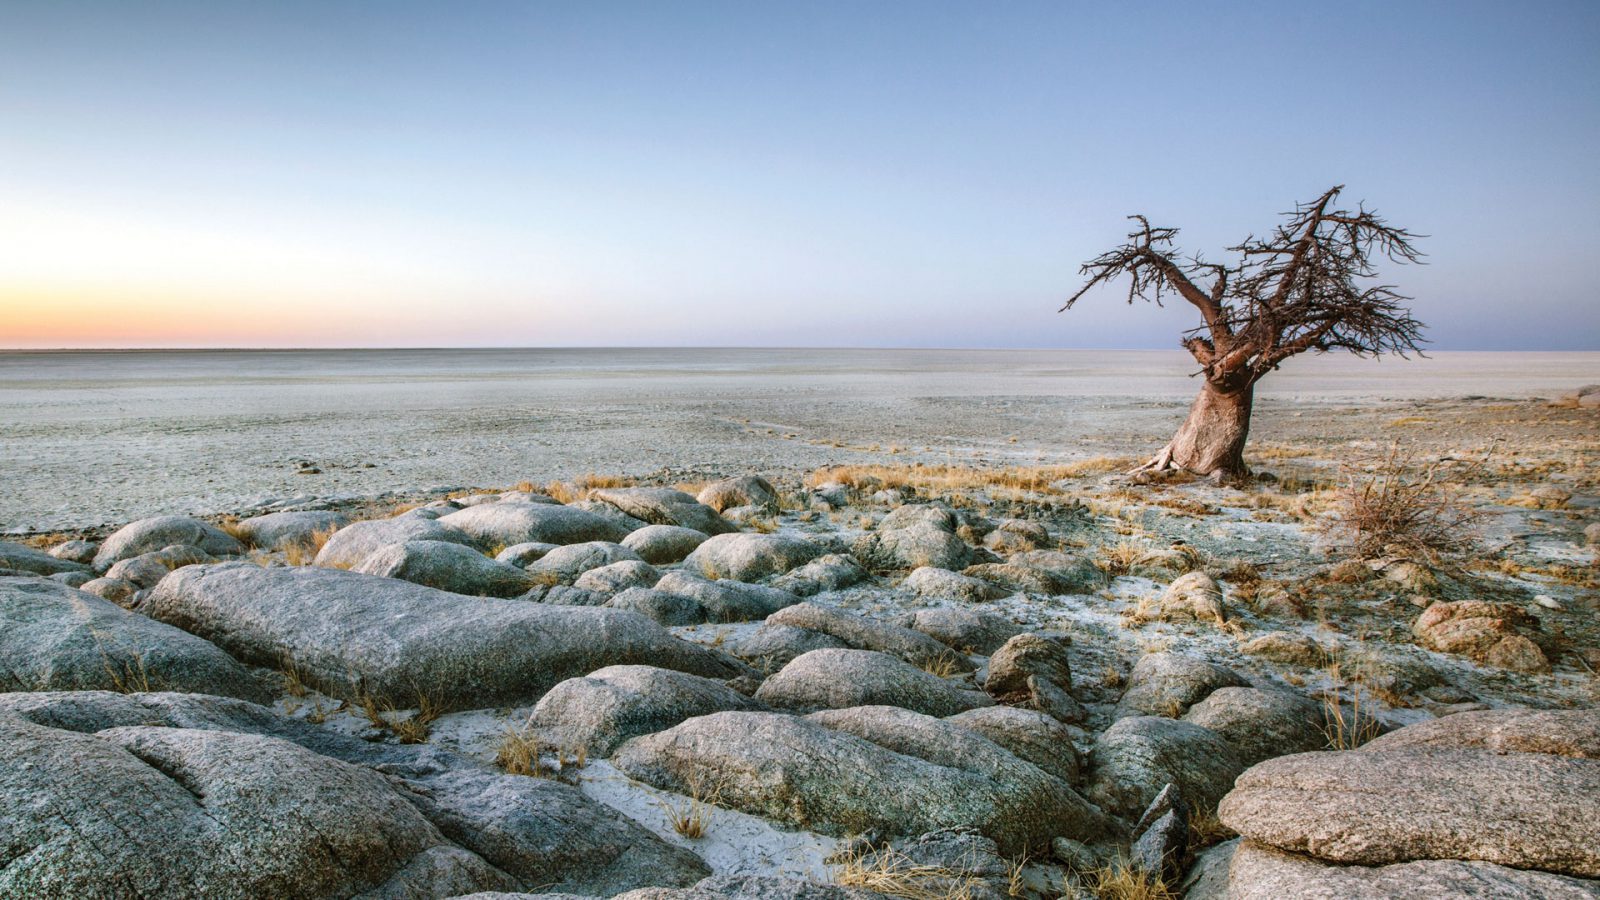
{"x":833,"y":572}
{"x":796,"y":771}
{"x":834,"y":679}
{"x":747,"y":490}
{"x":456,"y":568}
{"x":77,"y":551}
{"x":1497,"y":634}
{"x":966,"y":630}
{"x":22,"y":558}
{"x":566,"y":563}
{"x":664,"y":544}
{"x":771,"y":647}
{"x":1194,"y":597}
{"x":867,"y":634}
{"x":751,"y":557}
{"x":1029,"y":735}
{"x":619,"y":576}
{"x":162,"y":531}
{"x":55,"y":638}
{"x":1029,"y":654}
{"x":144,"y":570}
{"x":351,"y":545}
{"x":1261,"y":724}
{"x":1290,"y":647}
{"x":942,"y":584}
{"x":919,"y":544}
{"x":1260,"y":872}
{"x":598,"y":712}
{"x":518,"y":523}
{"x":163,"y":812}
{"x":1167,"y":684}
{"x":1527,"y":810}
{"x":546,"y":834}
{"x":665,"y":506}
{"x":658,"y":606}
{"x":1135,"y":758}
{"x":348,"y":633}
{"x":727,"y":600}
{"x":276,"y":531}
{"x":1570,"y":732}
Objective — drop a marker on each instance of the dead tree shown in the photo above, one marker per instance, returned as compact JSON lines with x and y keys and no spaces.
{"x":1307,"y":286}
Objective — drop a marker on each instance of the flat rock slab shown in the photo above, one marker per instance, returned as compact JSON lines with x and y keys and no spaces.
{"x":23,"y":558}
{"x":53,"y":637}
{"x":456,"y":568}
{"x":1259,"y":872}
{"x":347,"y":633}
{"x":1528,"y":810}
{"x":1574,"y":732}
{"x":797,"y":771}
{"x":869,"y":634}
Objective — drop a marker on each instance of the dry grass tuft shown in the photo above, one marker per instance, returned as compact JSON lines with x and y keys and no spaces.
{"x":691,"y":817}
{"x":1206,"y":829}
{"x":230,"y":526}
{"x":1123,"y":881}
{"x":944,"y":665}
{"x":293,"y":682}
{"x":303,"y":553}
{"x":583,"y":486}
{"x":895,"y":875}
{"x":1394,"y":502}
{"x":1124,"y":556}
{"x":1346,"y":727}
{"x":950,"y":477}
{"x":518,"y":754}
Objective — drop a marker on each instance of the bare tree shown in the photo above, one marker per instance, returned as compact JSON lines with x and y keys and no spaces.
{"x":1307,"y":286}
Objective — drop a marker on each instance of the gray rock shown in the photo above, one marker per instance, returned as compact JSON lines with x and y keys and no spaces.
{"x":566,"y":563}
{"x":1571,"y":732}
{"x":1288,"y":647}
{"x":519,"y":523}
{"x":23,"y":558}
{"x":163,"y":812}
{"x":1259,"y":872}
{"x":772,"y":647}
{"x":114,"y":589}
{"x":1207,"y":878}
{"x":1527,"y":810}
{"x":600,"y":711}
{"x":665,"y":506}
{"x":1033,"y":653}
{"x":1029,"y":735}
{"x":351,"y":545}
{"x":1167,"y":684}
{"x":1194,"y":597}
{"x":619,"y":576}
{"x":1017,"y":577}
{"x":142,"y":571}
{"x":524,"y":554}
{"x":72,"y":579}
{"x":545,"y":833}
{"x":456,"y":568}
{"x":1077,"y":574}
{"x":567,"y":595}
{"x":72,"y":551}
{"x":942,"y":584}
{"x":347,"y":632}
{"x":153,"y":534}
{"x":727,"y":600}
{"x":918,"y":544}
{"x":1016,"y":535}
{"x":747,"y":490}
{"x":1261,"y":724}
{"x":796,"y":771}
{"x":1161,"y":837}
{"x":868,"y":634}
{"x":658,"y":606}
{"x":276,"y":531}
{"x":751,"y":557}
{"x":664,"y":544}
{"x":1134,"y":759}
{"x":752,"y":887}
{"x":950,"y":862}
{"x":966,"y":630}
{"x":55,"y":638}
{"x":1051,"y":699}
{"x":835,"y":679}
{"x":610,"y":513}
{"x":833,"y":572}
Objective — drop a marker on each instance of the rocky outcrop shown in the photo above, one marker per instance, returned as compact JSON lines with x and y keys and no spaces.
{"x":835,"y":679}
{"x":53,"y":637}
{"x":832,"y":572}
{"x":22,"y":558}
{"x":505,"y":524}
{"x":965,"y":630}
{"x":665,"y":506}
{"x":1195,"y":597}
{"x":797,"y":771}
{"x":456,"y":568}
{"x":162,"y":531}
{"x":1261,"y":724}
{"x":727,"y":600}
{"x":276,"y":531}
{"x":1167,"y":684}
{"x":751,"y":557}
{"x":1029,"y":735}
{"x":1496,"y":634}
{"x":1029,"y":654}
{"x":1135,"y":758}
{"x":599,"y":711}
{"x":664,"y":544}
{"x":912,"y":537}
{"x":1261,"y":872}
{"x":868,"y":634}
{"x":747,"y":490}
{"x":942,"y":584}
{"x":349,"y":633}
{"x":351,"y":545}
{"x":1573,"y":732}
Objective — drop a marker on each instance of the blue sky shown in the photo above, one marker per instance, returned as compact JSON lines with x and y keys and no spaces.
{"x":882,"y":174}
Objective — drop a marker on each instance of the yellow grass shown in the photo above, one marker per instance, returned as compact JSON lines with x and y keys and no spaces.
{"x":299,"y":553}
{"x":950,"y":477}
{"x":691,"y":817}
{"x":1122,"y":881}
{"x":893,"y":874}
{"x":583,"y":486}
{"x":518,"y":754}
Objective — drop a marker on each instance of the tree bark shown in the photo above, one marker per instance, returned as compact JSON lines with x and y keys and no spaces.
{"x":1211,"y":440}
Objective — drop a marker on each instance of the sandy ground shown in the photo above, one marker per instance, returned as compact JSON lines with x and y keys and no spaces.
{"x":92,"y":439}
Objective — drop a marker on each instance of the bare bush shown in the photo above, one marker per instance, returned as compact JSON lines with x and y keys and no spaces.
{"x":1395,"y":503}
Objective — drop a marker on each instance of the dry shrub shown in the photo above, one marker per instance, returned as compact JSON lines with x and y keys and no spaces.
{"x":302,"y":553}
{"x":895,"y":875}
{"x":691,"y":817}
{"x":1122,"y":880}
{"x":584,"y":485}
{"x":944,"y":665}
{"x":229,"y":525}
{"x":518,"y":754}
{"x":1396,"y":503}
{"x":950,"y":477}
{"x":1346,"y":726}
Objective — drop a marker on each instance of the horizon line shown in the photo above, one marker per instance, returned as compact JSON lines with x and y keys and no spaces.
{"x":394,"y":347}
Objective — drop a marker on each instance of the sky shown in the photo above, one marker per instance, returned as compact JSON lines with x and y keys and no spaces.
{"x":765,"y":174}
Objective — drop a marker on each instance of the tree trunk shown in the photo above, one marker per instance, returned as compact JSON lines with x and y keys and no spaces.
{"x":1211,"y":440}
